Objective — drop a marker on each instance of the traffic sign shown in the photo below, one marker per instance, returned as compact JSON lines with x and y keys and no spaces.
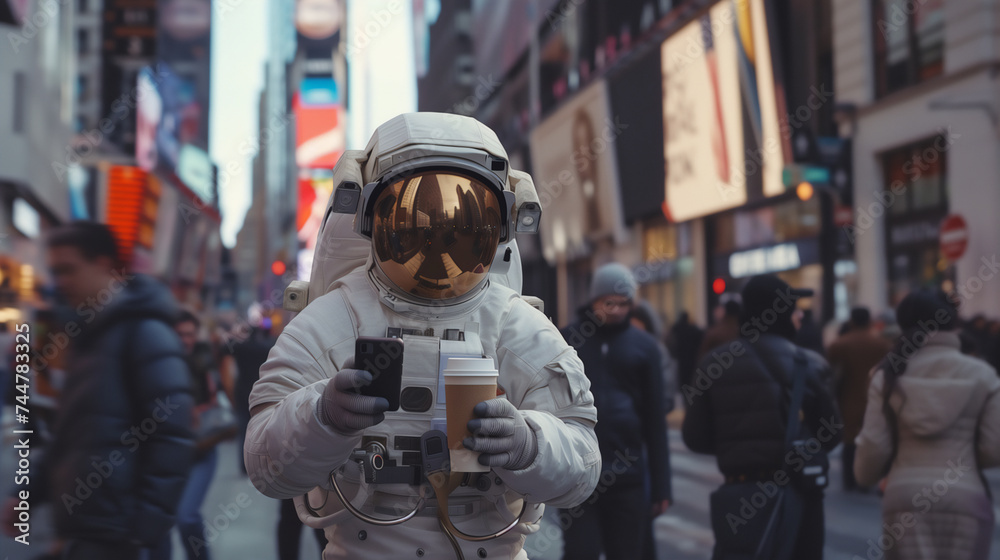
{"x":796,"y":173}
{"x":954,"y":237}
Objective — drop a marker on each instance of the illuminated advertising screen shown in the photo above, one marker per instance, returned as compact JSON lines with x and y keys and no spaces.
{"x":573,"y":163}
{"x":168,"y":117}
{"x":320,"y":132}
{"x":723,"y":143}
{"x":314,"y":192}
{"x":183,"y":42}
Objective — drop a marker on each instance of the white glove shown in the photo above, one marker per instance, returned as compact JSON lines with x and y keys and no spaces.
{"x":502,"y":436}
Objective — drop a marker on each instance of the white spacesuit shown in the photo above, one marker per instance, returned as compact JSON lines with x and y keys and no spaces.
{"x":438,"y":199}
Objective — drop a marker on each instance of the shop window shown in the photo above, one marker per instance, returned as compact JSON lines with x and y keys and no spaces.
{"x":908,"y":42}
{"x":915,"y":177}
{"x":724,"y":232}
{"x":917,"y":197}
{"x":754,"y":228}
{"x":796,"y":219}
{"x":659,"y":242}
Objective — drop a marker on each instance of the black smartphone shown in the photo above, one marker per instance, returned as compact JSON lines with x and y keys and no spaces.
{"x":383,"y":358}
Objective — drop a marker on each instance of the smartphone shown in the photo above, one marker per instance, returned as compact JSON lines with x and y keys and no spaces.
{"x":383,"y":358}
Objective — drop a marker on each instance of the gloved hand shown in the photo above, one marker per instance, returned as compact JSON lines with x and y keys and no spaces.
{"x":501,"y":434}
{"x":343,"y":409}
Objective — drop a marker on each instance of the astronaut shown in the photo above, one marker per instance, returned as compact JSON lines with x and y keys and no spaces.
{"x":431,"y":259}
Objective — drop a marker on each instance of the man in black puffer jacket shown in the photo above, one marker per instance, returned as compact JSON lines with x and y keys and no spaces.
{"x":623,"y":364}
{"x":122,"y":443}
{"x":738,"y":403}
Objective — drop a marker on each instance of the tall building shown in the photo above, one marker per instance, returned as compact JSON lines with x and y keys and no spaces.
{"x":446,"y":79}
{"x":89,"y":46}
{"x":36,"y":117}
{"x":279,"y":162}
{"x":918,"y":85}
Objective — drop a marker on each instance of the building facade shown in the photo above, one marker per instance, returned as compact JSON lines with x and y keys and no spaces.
{"x":604,"y":103}
{"x":36,"y":117}
{"x":921,"y":82}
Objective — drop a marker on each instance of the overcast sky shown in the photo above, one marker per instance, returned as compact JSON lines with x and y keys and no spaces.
{"x":239,"y":43}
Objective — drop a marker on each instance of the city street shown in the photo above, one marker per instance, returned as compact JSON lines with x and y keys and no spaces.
{"x":228,"y":216}
{"x":682,"y":534}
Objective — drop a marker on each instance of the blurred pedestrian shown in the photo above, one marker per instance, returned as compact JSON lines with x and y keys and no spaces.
{"x":684,"y":342}
{"x":290,"y":532}
{"x":126,"y":371}
{"x":243,"y":356}
{"x":624,"y":366}
{"x":933,"y":421}
{"x":993,"y":344}
{"x":726,"y":329}
{"x":808,"y":334}
{"x":887,"y":327}
{"x":645,"y":318}
{"x":977,"y":331}
{"x":738,"y":410}
{"x":852,"y":357}
{"x":208,"y":389}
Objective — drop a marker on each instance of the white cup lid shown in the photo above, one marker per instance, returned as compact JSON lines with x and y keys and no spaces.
{"x":470,"y":366}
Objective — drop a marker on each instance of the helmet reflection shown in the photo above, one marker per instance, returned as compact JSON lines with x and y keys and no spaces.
{"x":435,"y":234}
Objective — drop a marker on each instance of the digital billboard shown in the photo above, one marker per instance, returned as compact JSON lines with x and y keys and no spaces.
{"x":315,"y":190}
{"x":574,"y":169}
{"x":168,"y":117}
{"x":184,"y":40}
{"x":320,"y":131}
{"x":723,"y":145}
{"x":128,"y":42}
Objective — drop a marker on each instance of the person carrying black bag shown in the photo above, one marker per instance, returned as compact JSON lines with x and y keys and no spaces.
{"x":761,"y":405}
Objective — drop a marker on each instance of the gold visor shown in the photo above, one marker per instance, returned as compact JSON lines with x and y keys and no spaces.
{"x":435,"y":234}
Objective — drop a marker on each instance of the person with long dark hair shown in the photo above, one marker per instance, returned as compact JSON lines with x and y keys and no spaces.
{"x":931,"y":425}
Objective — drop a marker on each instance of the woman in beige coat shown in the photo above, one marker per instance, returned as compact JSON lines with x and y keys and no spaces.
{"x":932,"y":422}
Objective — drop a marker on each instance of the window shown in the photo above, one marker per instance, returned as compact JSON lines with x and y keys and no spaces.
{"x":82,"y":87}
{"x":909,"y":43}
{"x":914,"y":177}
{"x":20,"y":85}
{"x":82,"y":41}
{"x":916,"y":196}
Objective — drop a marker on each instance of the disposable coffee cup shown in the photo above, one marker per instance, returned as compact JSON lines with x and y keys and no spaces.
{"x":467,"y":382}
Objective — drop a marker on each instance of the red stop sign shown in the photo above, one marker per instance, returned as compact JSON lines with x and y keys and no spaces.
{"x":954,"y":237}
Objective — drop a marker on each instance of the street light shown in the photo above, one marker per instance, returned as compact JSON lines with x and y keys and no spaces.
{"x":804,"y":191}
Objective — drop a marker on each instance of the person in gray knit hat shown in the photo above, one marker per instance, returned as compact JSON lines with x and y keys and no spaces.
{"x":613,"y":279}
{"x":624,"y":365}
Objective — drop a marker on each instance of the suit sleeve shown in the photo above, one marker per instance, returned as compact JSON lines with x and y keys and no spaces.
{"x":162,"y":388}
{"x":288,"y":451}
{"x":655,"y":427}
{"x":875,"y":440}
{"x":545,"y":380}
{"x":699,"y":423}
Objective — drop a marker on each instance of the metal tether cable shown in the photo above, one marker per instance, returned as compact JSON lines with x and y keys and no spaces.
{"x":443,"y":484}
